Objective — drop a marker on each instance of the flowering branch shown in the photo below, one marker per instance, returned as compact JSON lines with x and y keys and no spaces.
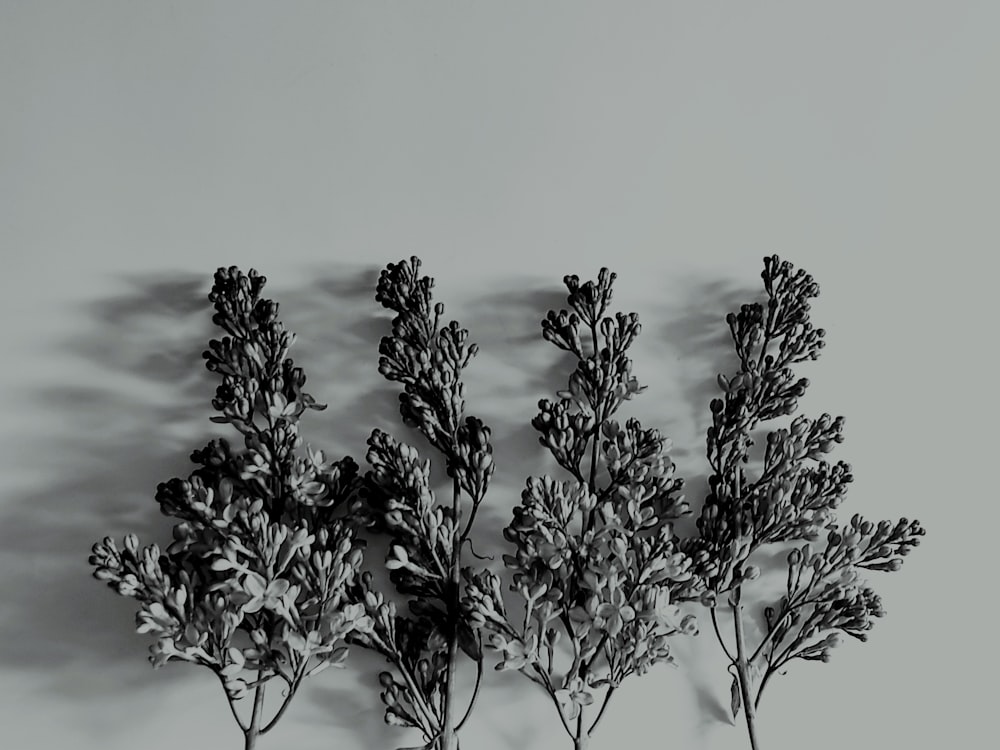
{"x":254,"y":586}
{"x":790,"y":497}
{"x":595,"y":559}
{"x":427,"y":537}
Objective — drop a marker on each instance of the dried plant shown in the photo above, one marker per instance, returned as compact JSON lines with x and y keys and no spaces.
{"x":255,"y":584}
{"x":787,"y":495}
{"x":427,"y":537}
{"x":596,"y":563}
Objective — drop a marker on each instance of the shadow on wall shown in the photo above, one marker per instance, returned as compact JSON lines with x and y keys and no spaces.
{"x":134,"y":424}
{"x":114,"y":440}
{"x":692,"y":341}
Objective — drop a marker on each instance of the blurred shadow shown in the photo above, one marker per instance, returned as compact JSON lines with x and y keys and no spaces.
{"x":698,"y":337}
{"x":704,"y":668}
{"x":514,"y":369}
{"x":338,"y":326}
{"x":129,"y":414}
{"x":118,"y":434}
{"x":694,"y":339}
{"x":350,"y":703}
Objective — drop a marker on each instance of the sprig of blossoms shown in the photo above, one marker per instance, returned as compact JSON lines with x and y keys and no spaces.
{"x":255,"y":584}
{"x":792,"y":495}
{"x":595,"y":562}
{"x":427,"y":358}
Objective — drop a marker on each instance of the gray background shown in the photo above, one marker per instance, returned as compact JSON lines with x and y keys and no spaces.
{"x":144,"y":144}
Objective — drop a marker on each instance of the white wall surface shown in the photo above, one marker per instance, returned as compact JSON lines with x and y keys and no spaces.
{"x":144,"y":144}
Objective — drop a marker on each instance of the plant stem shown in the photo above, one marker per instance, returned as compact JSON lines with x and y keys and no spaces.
{"x":253,"y":730}
{"x":600,"y":713}
{"x":475,"y":694}
{"x":292,"y":688}
{"x":449,"y":739}
{"x":743,"y":670}
{"x":763,"y":683}
{"x":718,"y":635}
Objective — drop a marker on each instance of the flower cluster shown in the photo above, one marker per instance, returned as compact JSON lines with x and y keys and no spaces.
{"x":595,"y":562}
{"x":426,"y":537}
{"x":255,"y":584}
{"x":791,"y":496}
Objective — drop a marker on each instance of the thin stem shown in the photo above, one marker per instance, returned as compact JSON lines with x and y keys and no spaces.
{"x":763,"y":644}
{"x":232,"y":708}
{"x":791,"y":607}
{"x":718,"y":634}
{"x":743,"y":670}
{"x":550,"y":689}
{"x":472,"y":517}
{"x":585,"y":669}
{"x":475,"y":694}
{"x":293,"y":686}
{"x":600,"y":713}
{"x":426,"y":713}
{"x":760,"y":690}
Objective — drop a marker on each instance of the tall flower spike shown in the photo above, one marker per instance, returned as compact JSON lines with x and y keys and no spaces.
{"x":427,"y":537}
{"x":595,"y":563}
{"x":790,"y":495}
{"x":255,"y":584}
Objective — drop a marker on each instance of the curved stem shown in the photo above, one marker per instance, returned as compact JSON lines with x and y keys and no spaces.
{"x":718,"y":634}
{"x":550,"y":689}
{"x":232,"y":708}
{"x":760,"y":690}
{"x":600,"y":713}
{"x":475,"y":694}
{"x":293,"y":686}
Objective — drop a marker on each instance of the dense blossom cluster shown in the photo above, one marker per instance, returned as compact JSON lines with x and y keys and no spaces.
{"x":791,"y":496}
{"x":426,"y":536}
{"x":596,"y":566}
{"x":255,"y":585}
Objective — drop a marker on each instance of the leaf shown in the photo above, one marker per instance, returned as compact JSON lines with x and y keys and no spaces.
{"x":319,"y":668}
{"x":469,"y":643}
{"x":337,"y":657}
{"x":734,"y":697}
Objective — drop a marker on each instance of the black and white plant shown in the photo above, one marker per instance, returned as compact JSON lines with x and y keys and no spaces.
{"x":255,"y":586}
{"x":596,"y":567}
{"x":787,"y":495}
{"x":425,"y":643}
